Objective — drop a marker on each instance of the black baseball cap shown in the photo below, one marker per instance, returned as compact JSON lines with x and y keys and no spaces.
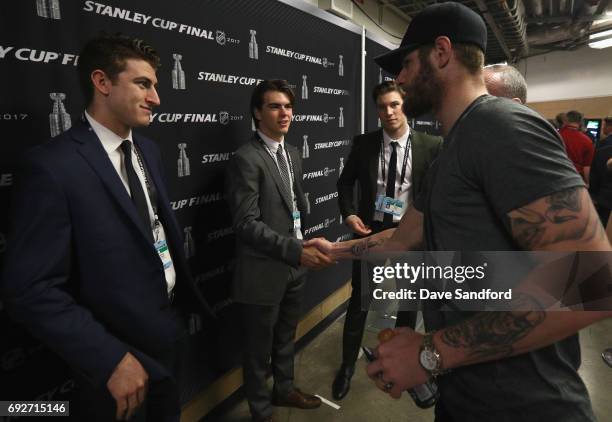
{"x":454,"y":20}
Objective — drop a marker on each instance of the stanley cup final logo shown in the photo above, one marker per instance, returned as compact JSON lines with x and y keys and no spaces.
{"x":253,"y":48}
{"x":341,"y":118}
{"x":188,"y":245}
{"x":183,"y":161}
{"x":178,"y":75}
{"x":379,"y":75}
{"x":59,"y":119}
{"x":340,"y":66}
{"x":305,"y":148}
{"x":304,"y":88}
{"x":341,"y":166}
{"x":49,"y":9}
{"x":306,"y":196}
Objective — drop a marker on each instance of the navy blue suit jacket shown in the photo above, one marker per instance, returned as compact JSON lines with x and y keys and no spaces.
{"x":80,"y":273}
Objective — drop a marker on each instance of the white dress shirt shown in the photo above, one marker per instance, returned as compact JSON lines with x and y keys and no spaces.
{"x":272,"y":147}
{"x":111,"y":143}
{"x":403,"y":186}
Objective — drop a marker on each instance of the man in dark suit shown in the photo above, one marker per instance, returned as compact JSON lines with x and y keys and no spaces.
{"x":94,"y":266}
{"x":267,"y":201}
{"x":388,"y":165}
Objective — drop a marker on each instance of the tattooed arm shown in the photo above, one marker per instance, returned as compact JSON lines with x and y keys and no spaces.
{"x":407,"y":236}
{"x":564,"y":221}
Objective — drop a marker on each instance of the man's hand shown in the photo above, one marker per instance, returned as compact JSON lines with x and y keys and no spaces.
{"x":314,"y":258}
{"x":128,"y":386}
{"x":397,"y":363}
{"x":323,"y":245}
{"x":357,"y":226}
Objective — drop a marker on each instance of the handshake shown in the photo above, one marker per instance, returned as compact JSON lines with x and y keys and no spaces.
{"x":317,"y":253}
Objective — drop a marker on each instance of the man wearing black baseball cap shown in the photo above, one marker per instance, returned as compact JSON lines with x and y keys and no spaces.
{"x":502,"y":182}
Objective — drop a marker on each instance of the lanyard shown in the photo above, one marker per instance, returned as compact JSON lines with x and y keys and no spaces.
{"x":150,"y":190}
{"x":405,"y":161}
{"x":274,"y":158}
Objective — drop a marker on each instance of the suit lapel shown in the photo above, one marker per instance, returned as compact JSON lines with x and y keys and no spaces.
{"x":273,"y":170}
{"x":373,"y":157}
{"x":91,"y":149}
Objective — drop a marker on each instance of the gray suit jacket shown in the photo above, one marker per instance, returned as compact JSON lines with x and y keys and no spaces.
{"x":267,"y":251}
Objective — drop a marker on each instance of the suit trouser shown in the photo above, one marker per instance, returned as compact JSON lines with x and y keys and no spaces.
{"x":270,"y":333}
{"x":93,"y":403}
{"x":356,"y":313}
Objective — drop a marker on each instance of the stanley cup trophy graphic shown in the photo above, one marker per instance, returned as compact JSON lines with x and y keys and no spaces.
{"x":341,"y":118}
{"x":379,"y":123}
{"x":305,"y":149}
{"x":341,"y":166}
{"x":59,"y":120}
{"x":183,"y":161}
{"x":341,"y":66}
{"x":48,"y":9}
{"x":306,"y":196}
{"x":253,"y":49}
{"x":304,"y":88}
{"x":380,"y":75}
{"x":178,"y":75}
{"x":188,"y":244}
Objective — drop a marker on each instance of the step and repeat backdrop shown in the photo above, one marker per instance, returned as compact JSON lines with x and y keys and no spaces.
{"x":213,"y":52}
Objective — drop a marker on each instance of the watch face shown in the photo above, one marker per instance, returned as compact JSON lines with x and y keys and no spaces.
{"x":428,"y":360}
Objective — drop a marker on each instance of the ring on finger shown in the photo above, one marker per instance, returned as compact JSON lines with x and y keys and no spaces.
{"x":388,"y":386}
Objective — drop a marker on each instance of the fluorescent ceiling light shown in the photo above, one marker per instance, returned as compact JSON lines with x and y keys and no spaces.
{"x":605,"y":43}
{"x":601,"y":34}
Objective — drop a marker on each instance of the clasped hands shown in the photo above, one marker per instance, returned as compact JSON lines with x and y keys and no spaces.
{"x":317,"y":253}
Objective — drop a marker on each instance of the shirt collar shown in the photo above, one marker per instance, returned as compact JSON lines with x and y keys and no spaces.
{"x":110,"y":140}
{"x":271,"y":143}
{"x":402,"y":140}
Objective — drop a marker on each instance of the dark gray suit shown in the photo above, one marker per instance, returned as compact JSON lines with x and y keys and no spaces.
{"x":267,"y":278}
{"x":362,"y":168}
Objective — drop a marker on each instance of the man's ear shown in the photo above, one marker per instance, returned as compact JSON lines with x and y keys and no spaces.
{"x":101,"y":81}
{"x":443,"y":51}
{"x":257,"y":114}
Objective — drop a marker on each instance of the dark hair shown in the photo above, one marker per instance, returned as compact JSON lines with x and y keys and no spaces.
{"x":109,"y":54}
{"x":264,"y":86}
{"x":561,"y":119}
{"x":574,"y":116}
{"x":386,"y":87}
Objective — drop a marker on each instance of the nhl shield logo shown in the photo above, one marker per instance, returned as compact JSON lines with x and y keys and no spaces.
{"x":325,"y":62}
{"x":325,"y":117}
{"x":223,"y":117}
{"x":220,"y":37}
{"x":326,"y":171}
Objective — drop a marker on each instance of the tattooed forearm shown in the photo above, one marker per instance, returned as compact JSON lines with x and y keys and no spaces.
{"x":493,"y":334}
{"x":563,"y":216}
{"x":361,"y":248}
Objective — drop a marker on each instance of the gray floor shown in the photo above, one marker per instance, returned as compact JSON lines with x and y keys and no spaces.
{"x":316,"y":365}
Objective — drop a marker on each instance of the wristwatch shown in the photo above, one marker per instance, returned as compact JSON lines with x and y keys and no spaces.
{"x":429,"y":358}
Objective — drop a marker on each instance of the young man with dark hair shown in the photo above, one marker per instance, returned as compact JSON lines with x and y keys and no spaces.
{"x":95,"y":266}
{"x":388,"y":165}
{"x":267,"y":204}
{"x":579,"y":146}
{"x":502,"y":182}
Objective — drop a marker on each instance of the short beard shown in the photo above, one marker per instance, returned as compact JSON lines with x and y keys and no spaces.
{"x":424,"y":94}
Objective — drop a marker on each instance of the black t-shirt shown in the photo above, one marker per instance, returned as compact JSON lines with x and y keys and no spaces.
{"x":500,"y":156}
{"x":601,"y":177}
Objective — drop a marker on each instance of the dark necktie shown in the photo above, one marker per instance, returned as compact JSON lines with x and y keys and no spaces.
{"x":388,"y":218}
{"x":284,"y":171}
{"x":138,"y":195}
